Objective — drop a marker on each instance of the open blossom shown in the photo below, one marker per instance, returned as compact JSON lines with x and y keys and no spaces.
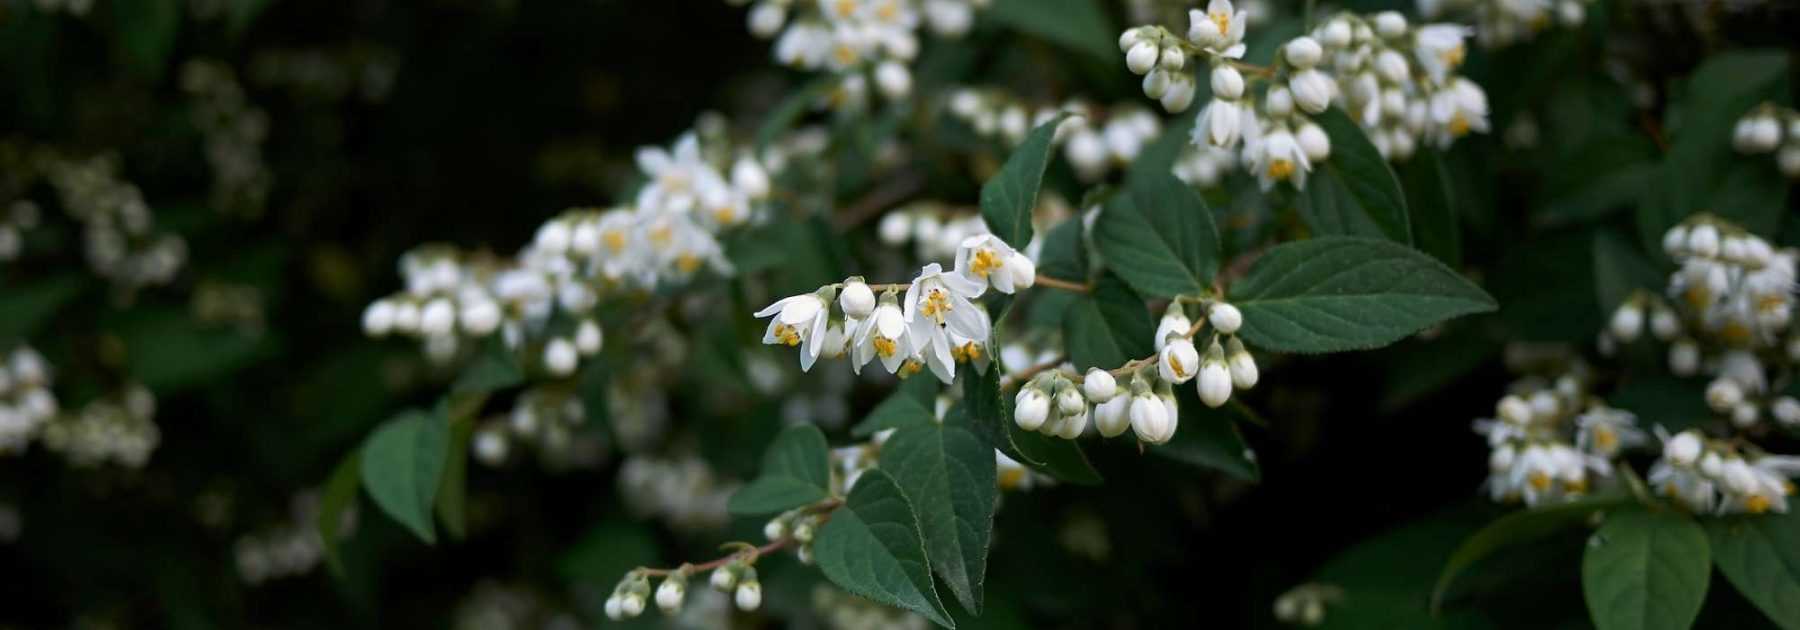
{"x":1219,"y":29}
{"x":798,"y":321}
{"x":1277,"y":157}
{"x":882,"y":335}
{"x":1459,"y":109}
{"x":986,"y":260}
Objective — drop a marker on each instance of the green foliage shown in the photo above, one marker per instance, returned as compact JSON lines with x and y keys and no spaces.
{"x":1518,"y":528}
{"x":1107,"y":326}
{"x":402,"y":462}
{"x":1760,"y":556}
{"x":24,"y":309}
{"x":1355,"y":193}
{"x":1332,"y":294}
{"x":1431,"y":205}
{"x":1159,"y":238}
{"x":949,"y":475}
{"x":872,"y":547}
{"x":1209,"y":438}
{"x":1646,"y":569}
{"x":338,"y":497}
{"x":794,"y":473}
{"x":990,"y":413}
{"x":911,"y":404}
{"x":1009,"y":197}
{"x":1079,"y":25}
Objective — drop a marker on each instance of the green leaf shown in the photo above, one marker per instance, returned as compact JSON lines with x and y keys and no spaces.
{"x":913,"y":403}
{"x":1107,"y":326}
{"x":146,"y":34}
{"x":402,"y":462}
{"x":1646,"y":570}
{"x":1209,"y":438}
{"x":1064,"y":254}
{"x":1518,"y":528}
{"x":453,"y":493}
{"x":796,"y":471}
{"x":1760,"y":555}
{"x":168,"y":350}
{"x":949,"y":474}
{"x":23,"y":309}
{"x":872,"y":547}
{"x":1332,"y":294}
{"x":338,"y":497}
{"x":1009,"y":197}
{"x":1619,"y":270}
{"x":494,"y":367}
{"x":990,"y":415}
{"x":1160,"y":238}
{"x":607,"y":551}
{"x":1658,"y":399}
{"x":1357,"y":181}
{"x":1080,"y":25}
{"x":1431,"y":206}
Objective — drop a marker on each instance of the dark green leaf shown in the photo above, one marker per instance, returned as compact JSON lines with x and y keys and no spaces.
{"x":789,"y":111}
{"x":1209,"y":438}
{"x":24,"y":309}
{"x":337,"y":498}
{"x":1107,"y":326}
{"x":494,"y":367}
{"x":872,"y":547}
{"x":1356,"y":168}
{"x":1646,"y":570}
{"x":1008,"y":199}
{"x":1517,"y":528}
{"x":1332,"y":294}
{"x":402,"y":462}
{"x":607,"y":551}
{"x":1079,"y":25}
{"x":1675,"y":404}
{"x":1760,"y":555}
{"x":913,"y":403}
{"x":990,"y":415}
{"x":146,"y":34}
{"x":796,"y":471}
{"x":1160,"y":237}
{"x":949,"y":474}
{"x":1065,"y":254}
{"x":1431,"y":205}
{"x":452,"y":495}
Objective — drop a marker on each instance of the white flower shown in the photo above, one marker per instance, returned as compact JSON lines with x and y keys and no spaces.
{"x":1069,"y":400}
{"x":1312,"y":90}
{"x":1604,"y":431}
{"x":479,"y":317}
{"x":437,"y":318}
{"x":378,"y":318}
{"x":1179,"y":95}
{"x":943,"y":298}
{"x":749,"y":595}
{"x":1072,"y":425}
{"x":1174,"y":323}
{"x":1303,"y":52}
{"x":1675,"y":241}
{"x":1786,"y":411}
{"x":1113,"y":417}
{"x":1683,"y":449}
{"x":983,"y":260}
{"x":1391,"y":66}
{"x":723,"y":579}
{"x":1156,"y":84}
{"x":1278,"y":102}
{"x":1703,"y":241}
{"x":857,"y":300}
{"x":1172,"y":59}
{"x":1220,"y":30}
{"x":1628,"y":321}
{"x":589,"y":338}
{"x":893,"y":79}
{"x":1243,"y":366}
{"x":1723,"y":394}
{"x":1225,"y":318}
{"x":1141,"y":59}
{"x":1313,"y":142}
{"x":1439,"y":49}
{"x":1099,"y":385}
{"x":560,"y":357}
{"x":1215,"y":383}
{"x":882,"y":335}
{"x":669,"y":595}
{"x":1024,"y":270}
{"x":1665,"y":324}
{"x":950,"y":18}
{"x":1684,"y":357}
{"x":1227,"y":82}
{"x":1220,"y":123}
{"x":1390,"y":25}
{"x":1178,"y":361}
{"x":798,"y":321}
{"x":766,"y":18}
{"x":1031,"y":408}
{"x":1458,"y":110}
{"x":1278,"y":158}
{"x":895,"y":229}
{"x":1150,"y":419}
{"x":749,"y":178}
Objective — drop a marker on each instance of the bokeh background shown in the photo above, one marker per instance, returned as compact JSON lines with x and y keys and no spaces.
{"x":386,"y":124}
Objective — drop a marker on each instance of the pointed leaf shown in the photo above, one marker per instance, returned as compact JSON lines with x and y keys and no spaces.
{"x":1431,"y":206}
{"x":1760,"y":555}
{"x":1160,"y":238}
{"x":453,"y":493}
{"x":1517,"y":528}
{"x":1364,"y":175}
{"x":913,"y":403}
{"x":1079,"y":25}
{"x":1064,"y":254}
{"x":1008,"y":199}
{"x":949,"y":474}
{"x":402,"y":462}
{"x":1107,"y":326}
{"x":1646,"y":570}
{"x":872,"y":547}
{"x":1332,"y":294}
{"x":990,"y":415}
{"x":796,"y":471}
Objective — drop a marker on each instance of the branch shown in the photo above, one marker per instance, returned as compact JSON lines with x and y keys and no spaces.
{"x":1066,"y":285}
{"x":822,"y":508}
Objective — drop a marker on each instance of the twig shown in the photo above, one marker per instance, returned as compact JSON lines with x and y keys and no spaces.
{"x":1066,"y":285}
{"x":1027,"y":373}
{"x":823,"y":508}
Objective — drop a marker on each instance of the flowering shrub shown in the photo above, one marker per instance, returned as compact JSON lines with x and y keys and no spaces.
{"x":957,"y":313}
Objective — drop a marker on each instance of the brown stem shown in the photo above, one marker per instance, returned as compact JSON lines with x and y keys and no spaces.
{"x":1066,"y":285}
{"x":822,"y":508}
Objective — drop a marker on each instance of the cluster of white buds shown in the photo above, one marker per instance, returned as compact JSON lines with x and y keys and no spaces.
{"x":1552,"y":441}
{"x":1716,"y":476}
{"x":736,"y":577}
{"x":936,"y":324}
{"x":683,"y":491}
{"x":549,"y":420}
{"x":801,"y":525}
{"x":1305,"y":604}
{"x":19,"y":217}
{"x":233,"y":131}
{"x":843,"y":611}
{"x":121,"y":244}
{"x":1215,"y":35}
{"x":26,"y":400}
{"x":1204,"y":165}
{"x":119,"y":428}
{"x":1060,"y":403}
{"x":543,"y":300}
{"x":1506,"y":22}
{"x":859,"y":41}
{"x":1770,"y":128}
{"x":292,"y":548}
{"x":1096,"y":140}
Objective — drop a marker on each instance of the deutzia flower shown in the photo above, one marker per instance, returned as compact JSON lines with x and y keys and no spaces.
{"x":882,"y":335}
{"x":1605,"y":431}
{"x":985,"y":260}
{"x":1439,"y":48}
{"x":1219,"y":30}
{"x":1277,"y":157}
{"x":798,"y":321}
{"x":1461,"y":108}
{"x":943,"y":299}
{"x":1220,"y":123}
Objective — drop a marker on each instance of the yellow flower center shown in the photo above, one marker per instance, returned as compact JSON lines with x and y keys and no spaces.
{"x":1454,"y":56}
{"x":1698,"y":297}
{"x":1538,"y":480}
{"x":1281,"y":168}
{"x":1576,"y":487}
{"x":967,"y":352}
{"x":661,"y":235}
{"x":1176,"y":367}
{"x":884,"y":346}
{"x":787,"y":334}
{"x":936,"y":305}
{"x":889,"y":11}
{"x":1223,"y":21}
{"x":687,"y":263}
{"x":844,"y":54}
{"x":1756,"y":504}
{"x":984,"y":263}
{"x":1459,"y":125}
{"x":844,"y":8}
{"x":1605,"y":439}
{"x":1735,"y":333}
{"x":910,"y":367}
{"x":1011,"y":478}
{"x":725,"y":215}
{"x":615,"y":240}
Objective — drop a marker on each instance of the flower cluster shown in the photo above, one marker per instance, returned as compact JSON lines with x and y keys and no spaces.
{"x":1059,"y":403}
{"x":1397,"y":80}
{"x":122,"y":245}
{"x":26,"y":401}
{"x":857,"y":40}
{"x":549,"y":420}
{"x":1770,"y":128}
{"x":544,"y":298}
{"x":1717,"y":476}
{"x":1552,"y":441}
{"x":734,"y":575}
{"x":936,"y":324}
{"x":683,"y":492}
{"x":1729,"y":309}
{"x":937,"y":230}
{"x":1094,"y":148}
{"x":19,"y":217}
{"x":289,"y":549}
{"x":234,"y":131}
{"x":117,"y":428}
{"x":1506,"y":22}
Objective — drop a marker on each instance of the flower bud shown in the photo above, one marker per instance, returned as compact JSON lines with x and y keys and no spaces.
{"x":615,"y":609}
{"x":857,"y":300}
{"x":1243,"y":366}
{"x":1390,"y":25}
{"x":1141,"y":58}
{"x":1156,"y":84}
{"x":1703,"y":241}
{"x":1765,"y":134}
{"x":670,"y":593}
{"x":632,"y":605}
{"x":1226,"y":318}
{"x":560,"y":357}
{"x":1099,"y":385}
{"x":1227,"y":83}
{"x":1664,"y":324}
{"x":893,"y":79}
{"x":1303,"y":52}
{"x":1215,"y":383}
{"x":1674,"y":241}
{"x":1390,"y":65}
{"x":1628,"y":321}
{"x":1712,"y":465}
{"x":589,"y":339}
{"x":1179,"y":95}
{"x":1178,"y":361}
{"x":775,"y":529}
{"x":1514,"y":410}
{"x":1278,"y":102}
{"x":1174,"y":323}
{"x":1072,"y":425}
{"x":490,"y":446}
{"x":378,"y":318}
{"x":1788,"y":160}
{"x":479,"y":317}
{"x":1130,"y":38}
{"x":1172,"y":59}
{"x":1786,"y":411}
{"x":749,"y":595}
{"x":895,"y":229}
{"x":766,"y":18}
{"x":1312,"y":91}
{"x":1031,"y":408}
{"x":1723,"y":394}
{"x":723,"y":579}
{"x":1149,"y":418}
{"x":1113,"y":417}
{"x":1745,"y":415}
{"x":437,"y":318}
{"x":1336,"y":34}
{"x":1023,"y":270}
{"x":1313,"y":142}
{"x":1684,"y":358}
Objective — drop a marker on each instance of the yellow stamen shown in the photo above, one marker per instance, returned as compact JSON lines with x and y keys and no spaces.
{"x":1605,"y":439}
{"x":844,"y":54}
{"x":884,"y":346}
{"x":661,"y":235}
{"x":1735,"y":333}
{"x":972,"y":350}
{"x":1459,"y":125}
{"x":1176,"y":367}
{"x":687,"y":263}
{"x":1011,"y":478}
{"x":1576,"y":487}
{"x":615,"y":240}
{"x":1756,"y":504}
{"x":1453,"y":57}
{"x":725,"y":215}
{"x":1538,"y":480}
{"x":888,"y":11}
{"x":845,"y":8}
{"x":787,"y":334}
{"x":910,"y":367}
{"x":984,"y":262}
{"x":1281,"y":169}
{"x":936,"y":305}
{"x":1223,"y":21}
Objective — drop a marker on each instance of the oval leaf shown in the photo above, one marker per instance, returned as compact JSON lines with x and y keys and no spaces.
{"x":1360,"y":171}
{"x":950,"y":476}
{"x":1107,"y":326}
{"x":795,"y":472}
{"x":871,"y":547}
{"x":401,"y":465}
{"x":1517,"y":528}
{"x":1645,"y":570}
{"x":1333,"y":294}
{"x":1160,"y":238}
{"x":1760,"y":555}
{"x":1008,"y":199}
